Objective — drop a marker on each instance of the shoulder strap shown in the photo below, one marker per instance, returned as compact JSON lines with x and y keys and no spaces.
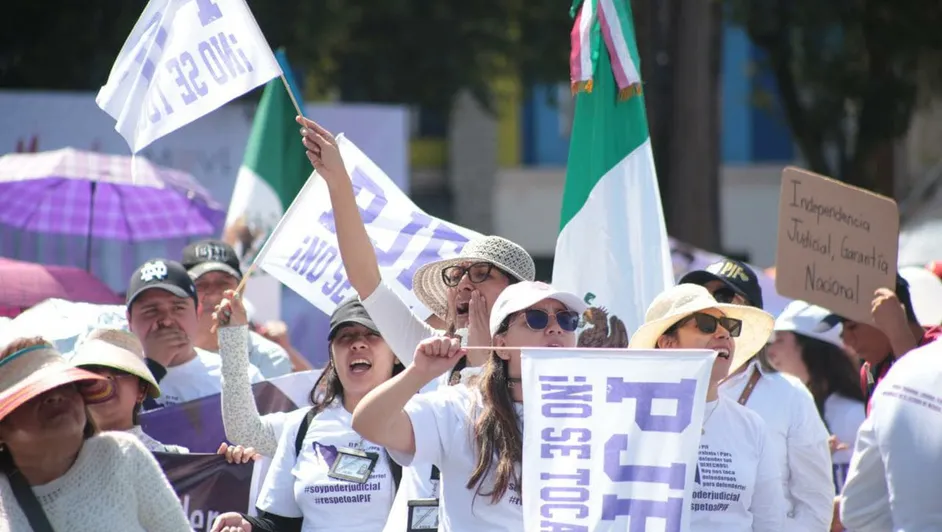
{"x":750,"y":385}
{"x":302,"y":431}
{"x":29,"y":503}
{"x":396,"y":471}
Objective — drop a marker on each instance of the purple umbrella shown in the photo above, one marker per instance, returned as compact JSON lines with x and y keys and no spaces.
{"x":94,"y":195}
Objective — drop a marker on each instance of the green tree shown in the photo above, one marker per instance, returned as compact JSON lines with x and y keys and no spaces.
{"x":847,"y":74}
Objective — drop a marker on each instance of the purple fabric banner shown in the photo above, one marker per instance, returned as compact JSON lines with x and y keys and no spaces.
{"x":197,"y":425}
{"x":207,"y":485}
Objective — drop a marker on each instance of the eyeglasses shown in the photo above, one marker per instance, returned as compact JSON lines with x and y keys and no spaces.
{"x":477,"y":273}
{"x":538,"y":319}
{"x":707,"y":323}
{"x":728,"y":295}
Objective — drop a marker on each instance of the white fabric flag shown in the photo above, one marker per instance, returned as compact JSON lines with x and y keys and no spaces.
{"x":302,"y":251}
{"x":184,"y":59}
{"x":610,"y":437}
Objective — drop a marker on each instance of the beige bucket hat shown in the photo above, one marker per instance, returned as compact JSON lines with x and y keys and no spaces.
{"x":429,"y":286}
{"x":116,"y":349}
{"x":678,"y":302}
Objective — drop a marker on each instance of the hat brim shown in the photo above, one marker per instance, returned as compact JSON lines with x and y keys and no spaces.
{"x":352,"y":321}
{"x":40,"y":382}
{"x":205,"y":267}
{"x":756,"y":330}
{"x":429,"y":287}
{"x":104,"y":354}
{"x":166,"y":287}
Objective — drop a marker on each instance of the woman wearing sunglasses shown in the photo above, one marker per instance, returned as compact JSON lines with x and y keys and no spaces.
{"x":472,"y":433}
{"x":738,"y":484}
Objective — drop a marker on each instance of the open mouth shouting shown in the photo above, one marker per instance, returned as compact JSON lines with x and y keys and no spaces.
{"x":359,"y":366}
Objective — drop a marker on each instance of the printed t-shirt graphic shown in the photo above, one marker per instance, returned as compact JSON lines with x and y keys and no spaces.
{"x":300,"y":485}
{"x":737,"y":482}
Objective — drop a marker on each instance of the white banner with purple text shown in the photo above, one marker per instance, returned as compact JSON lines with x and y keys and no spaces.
{"x":302,"y":251}
{"x":611,"y":438}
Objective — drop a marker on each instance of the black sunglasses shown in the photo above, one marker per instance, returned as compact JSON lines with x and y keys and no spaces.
{"x":707,"y":323}
{"x":477,"y":273}
{"x":538,"y":319}
{"x":725,"y":295}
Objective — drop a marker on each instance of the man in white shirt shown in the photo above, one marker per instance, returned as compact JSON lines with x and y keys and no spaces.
{"x":797,"y":435}
{"x":893,"y":479}
{"x":214,"y":267}
{"x":162,"y":311}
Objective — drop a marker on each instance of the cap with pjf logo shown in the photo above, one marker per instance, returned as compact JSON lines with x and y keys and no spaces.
{"x":737,"y":276}
{"x":211,"y":256}
{"x":163,"y":274}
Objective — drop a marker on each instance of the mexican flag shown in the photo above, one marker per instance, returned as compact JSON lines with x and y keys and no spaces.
{"x":273,"y":170}
{"x":612,"y":246}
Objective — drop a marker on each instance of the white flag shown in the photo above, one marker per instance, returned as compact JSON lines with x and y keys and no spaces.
{"x":184,"y":59}
{"x":302,"y":251}
{"x":611,"y":437}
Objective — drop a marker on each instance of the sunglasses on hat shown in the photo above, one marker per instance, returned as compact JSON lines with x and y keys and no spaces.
{"x":707,"y":323}
{"x":538,"y":319}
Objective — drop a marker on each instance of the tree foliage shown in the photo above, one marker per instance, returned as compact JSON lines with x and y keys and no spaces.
{"x":847,"y":74}
{"x":404,"y":51}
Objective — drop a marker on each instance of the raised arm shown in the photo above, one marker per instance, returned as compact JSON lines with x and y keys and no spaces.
{"x":356,"y":248}
{"x":244,"y":425}
{"x":381,"y":417}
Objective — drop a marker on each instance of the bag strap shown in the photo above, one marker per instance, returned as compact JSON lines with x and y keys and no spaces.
{"x":29,"y":503}
{"x":302,"y":431}
{"x":750,"y":385}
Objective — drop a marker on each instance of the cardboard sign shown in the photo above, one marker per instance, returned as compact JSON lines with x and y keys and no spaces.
{"x":837,"y":244}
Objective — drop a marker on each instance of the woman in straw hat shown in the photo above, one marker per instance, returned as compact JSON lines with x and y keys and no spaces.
{"x":58,"y":473}
{"x":119,"y":357}
{"x":738,"y":485}
{"x":472,"y":433}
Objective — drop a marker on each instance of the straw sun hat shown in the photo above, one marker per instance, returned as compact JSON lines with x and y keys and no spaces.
{"x":116,"y":349}
{"x":678,"y":302}
{"x":33,"y":371}
{"x":429,"y":287}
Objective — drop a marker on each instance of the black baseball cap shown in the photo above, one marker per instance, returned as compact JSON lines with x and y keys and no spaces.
{"x":211,"y":256}
{"x":350,"y":311}
{"x":902,"y":293}
{"x":164,"y":274}
{"x":736,"y":275}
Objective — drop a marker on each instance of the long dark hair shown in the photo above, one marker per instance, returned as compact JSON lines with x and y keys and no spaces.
{"x":830,"y":370}
{"x":496,"y":431}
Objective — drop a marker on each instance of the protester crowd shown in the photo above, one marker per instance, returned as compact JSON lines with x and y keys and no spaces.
{"x":830,"y":423}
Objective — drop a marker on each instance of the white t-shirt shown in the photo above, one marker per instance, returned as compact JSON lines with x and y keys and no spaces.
{"x":200,"y":377}
{"x":798,"y":441}
{"x":738,"y":484}
{"x":299,"y":486}
{"x":893,"y":482}
{"x":843,"y":417}
{"x":443,"y":425}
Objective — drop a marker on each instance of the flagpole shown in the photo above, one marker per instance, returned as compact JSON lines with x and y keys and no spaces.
{"x":291,"y":95}
{"x":251,"y":269}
